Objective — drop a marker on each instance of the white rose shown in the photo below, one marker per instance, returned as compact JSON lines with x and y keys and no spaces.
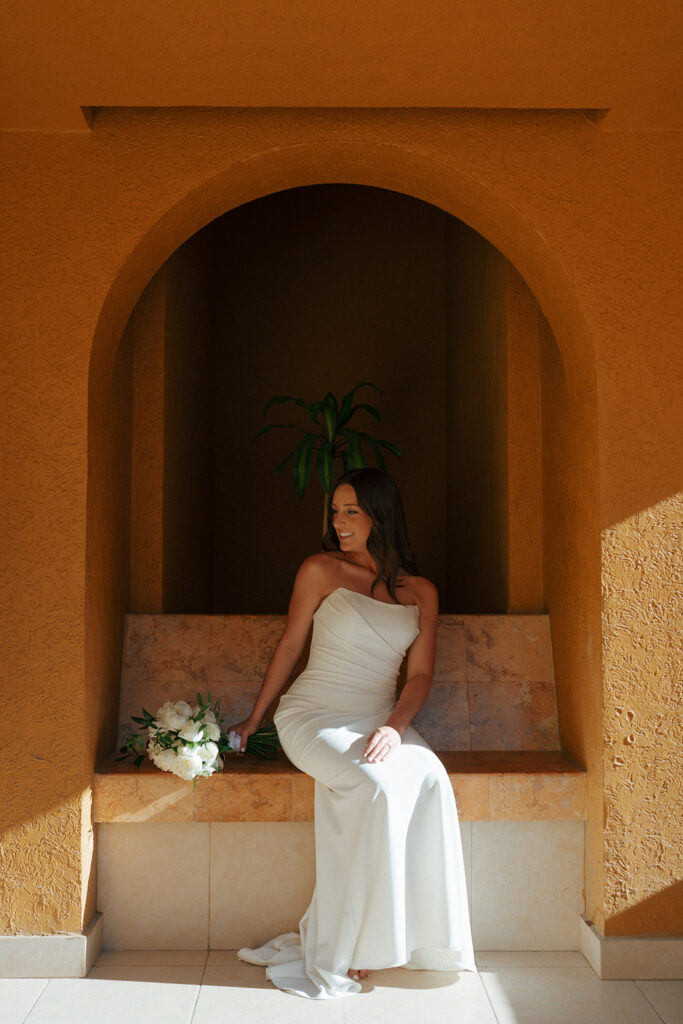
{"x":166,"y":760}
{"x":208,"y":714}
{"x":208,"y":752}
{"x":212,"y":731}
{"x":188,"y":765}
{"x":173,"y":716}
{"x":192,"y":731}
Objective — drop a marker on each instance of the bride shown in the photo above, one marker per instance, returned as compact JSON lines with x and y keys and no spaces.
{"x":390,"y":881}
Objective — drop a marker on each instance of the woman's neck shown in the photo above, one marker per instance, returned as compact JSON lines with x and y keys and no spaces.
{"x":362,"y":559}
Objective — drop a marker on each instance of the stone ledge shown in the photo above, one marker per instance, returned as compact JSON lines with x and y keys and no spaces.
{"x":509,"y":785}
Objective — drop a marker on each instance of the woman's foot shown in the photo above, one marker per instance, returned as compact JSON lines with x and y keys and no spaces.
{"x":357,"y":975}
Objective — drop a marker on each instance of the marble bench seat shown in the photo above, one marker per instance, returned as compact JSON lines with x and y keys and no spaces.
{"x":497,"y":785}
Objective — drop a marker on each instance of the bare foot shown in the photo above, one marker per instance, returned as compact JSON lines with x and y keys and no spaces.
{"x":357,"y":975}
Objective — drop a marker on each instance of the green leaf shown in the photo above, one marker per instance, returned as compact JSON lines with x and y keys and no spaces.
{"x":139,"y":759}
{"x":275,"y":426}
{"x":392,"y":448}
{"x":280,"y":399}
{"x":284,"y":462}
{"x":302,"y":463}
{"x":330,"y":415}
{"x":313,"y":410}
{"x":325,"y":467}
{"x":379,"y":458}
{"x":354,"y":455}
{"x":347,"y":401}
{"x":368,"y":408}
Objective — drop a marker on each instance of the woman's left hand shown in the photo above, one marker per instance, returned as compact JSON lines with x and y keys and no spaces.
{"x":382,"y":742}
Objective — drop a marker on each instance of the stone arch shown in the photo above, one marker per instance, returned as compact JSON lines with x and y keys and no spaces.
{"x":398,"y":170}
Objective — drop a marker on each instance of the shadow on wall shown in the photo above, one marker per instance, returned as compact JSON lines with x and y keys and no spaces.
{"x":300,"y":292}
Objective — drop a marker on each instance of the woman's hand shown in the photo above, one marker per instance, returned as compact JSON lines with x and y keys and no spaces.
{"x":382,"y":742}
{"x":244,"y":730}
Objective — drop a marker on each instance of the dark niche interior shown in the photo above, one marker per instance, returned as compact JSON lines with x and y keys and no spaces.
{"x":312,"y":290}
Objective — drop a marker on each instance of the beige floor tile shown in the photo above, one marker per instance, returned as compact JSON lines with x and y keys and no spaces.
{"x":152,"y":958}
{"x":243,"y":994}
{"x":564,"y":995}
{"x":170,"y":999}
{"x":666,"y":997}
{"x":17,"y":996}
{"x":152,"y":974}
{"x":530,"y":958}
{"x":223,"y":958}
{"x":400,"y":996}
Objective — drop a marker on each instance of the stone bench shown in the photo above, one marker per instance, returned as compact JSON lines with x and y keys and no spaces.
{"x":231,"y":862}
{"x":507,"y":785}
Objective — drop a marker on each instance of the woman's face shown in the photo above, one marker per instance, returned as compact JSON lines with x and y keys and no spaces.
{"x":351,"y":523}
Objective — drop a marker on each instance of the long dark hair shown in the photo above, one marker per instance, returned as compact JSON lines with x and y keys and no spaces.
{"x":388,"y":543}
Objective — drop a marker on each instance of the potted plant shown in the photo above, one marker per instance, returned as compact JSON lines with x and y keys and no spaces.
{"x":332,"y":440}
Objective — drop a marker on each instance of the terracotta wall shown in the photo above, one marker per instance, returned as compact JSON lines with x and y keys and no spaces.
{"x":585,"y":216}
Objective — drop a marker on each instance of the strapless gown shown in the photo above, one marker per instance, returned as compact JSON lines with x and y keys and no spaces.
{"x":390,"y":879}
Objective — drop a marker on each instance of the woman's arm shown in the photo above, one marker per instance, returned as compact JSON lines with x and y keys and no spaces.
{"x":419,"y":674}
{"x":307,"y":593}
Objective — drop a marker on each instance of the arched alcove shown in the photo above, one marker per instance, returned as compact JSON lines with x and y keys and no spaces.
{"x":300,"y":292}
{"x":563,"y":398}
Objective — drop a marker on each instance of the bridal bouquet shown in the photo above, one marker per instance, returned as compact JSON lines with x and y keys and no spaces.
{"x":189,"y":741}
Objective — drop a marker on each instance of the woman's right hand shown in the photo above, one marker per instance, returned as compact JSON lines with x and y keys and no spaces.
{"x":245,"y":730}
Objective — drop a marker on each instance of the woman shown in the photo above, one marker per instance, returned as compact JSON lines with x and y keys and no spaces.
{"x":390,"y":881}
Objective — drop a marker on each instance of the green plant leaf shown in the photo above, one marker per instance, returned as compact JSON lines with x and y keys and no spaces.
{"x":324,"y":464}
{"x":280,"y":399}
{"x":284,"y":462}
{"x":392,"y":448}
{"x":302,"y":463}
{"x":354,"y":455}
{"x":313,"y":410}
{"x":379,"y":458}
{"x":276,"y":426}
{"x":347,"y":401}
{"x":330,"y":415}
{"x":368,"y":408}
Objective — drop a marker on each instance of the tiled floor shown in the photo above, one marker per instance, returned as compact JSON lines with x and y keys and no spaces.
{"x":198,"y":988}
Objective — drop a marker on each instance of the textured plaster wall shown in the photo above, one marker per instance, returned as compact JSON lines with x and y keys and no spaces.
{"x":571,"y":564}
{"x":586,"y":218}
{"x":642,"y":607}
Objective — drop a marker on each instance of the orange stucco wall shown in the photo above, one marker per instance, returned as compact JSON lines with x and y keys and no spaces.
{"x":583,"y":214}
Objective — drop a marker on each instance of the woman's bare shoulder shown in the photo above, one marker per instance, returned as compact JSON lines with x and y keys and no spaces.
{"x":318,"y":568}
{"x":423,"y":591}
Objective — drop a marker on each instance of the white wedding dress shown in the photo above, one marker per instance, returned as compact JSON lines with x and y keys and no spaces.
{"x":390,"y":879}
